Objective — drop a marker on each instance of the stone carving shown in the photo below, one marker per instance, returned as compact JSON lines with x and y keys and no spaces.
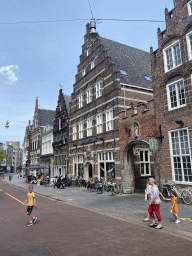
{"x":136,"y":130}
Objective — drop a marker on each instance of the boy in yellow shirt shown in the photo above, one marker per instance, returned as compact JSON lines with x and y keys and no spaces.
{"x":31,"y":203}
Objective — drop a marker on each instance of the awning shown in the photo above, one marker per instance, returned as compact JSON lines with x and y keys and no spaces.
{"x":36,"y":167}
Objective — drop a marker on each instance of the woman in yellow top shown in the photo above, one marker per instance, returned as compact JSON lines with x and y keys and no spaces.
{"x":174,"y":208}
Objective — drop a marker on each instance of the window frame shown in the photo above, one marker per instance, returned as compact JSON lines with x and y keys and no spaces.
{"x":89,"y":95}
{"x":60,"y":126}
{"x":189,"y":47}
{"x":180,"y":155}
{"x":83,"y":72}
{"x":165,"y":57}
{"x":110,"y":121}
{"x":92,"y":64}
{"x":88,"y":52}
{"x":89,"y":127}
{"x":189,"y":8}
{"x":80,"y":99}
{"x":74,"y":132}
{"x":99,"y":125}
{"x":99,"y":90}
{"x":145,"y":162}
{"x":81,"y":130}
{"x":177,"y":95}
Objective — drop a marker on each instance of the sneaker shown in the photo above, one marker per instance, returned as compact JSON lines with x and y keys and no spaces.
{"x":177,"y":221}
{"x":34,"y":220}
{"x":29,"y":224}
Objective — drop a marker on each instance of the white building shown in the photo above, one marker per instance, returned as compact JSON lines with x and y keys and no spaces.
{"x":47,"y":148}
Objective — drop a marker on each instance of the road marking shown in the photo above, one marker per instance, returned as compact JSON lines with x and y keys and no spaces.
{"x":1,"y":190}
{"x":186,"y":219}
{"x":14,"y":198}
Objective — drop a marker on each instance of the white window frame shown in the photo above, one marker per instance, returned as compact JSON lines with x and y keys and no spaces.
{"x":99,"y":87}
{"x":81,"y":129}
{"x":189,"y":7}
{"x":109,"y":120}
{"x":99,"y":123}
{"x":83,"y":72}
{"x":177,"y":95}
{"x":109,"y":156}
{"x":80,"y":98}
{"x":89,"y":127}
{"x":165,"y":56}
{"x":75,"y":132}
{"x":179,"y":155}
{"x":88,"y":52}
{"x":92,"y":64}
{"x":189,"y":45}
{"x":145,"y":162}
{"x":89,"y":95}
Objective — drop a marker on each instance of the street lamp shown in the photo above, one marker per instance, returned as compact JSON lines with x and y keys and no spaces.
{"x":93,"y":33}
{"x":7,"y":125}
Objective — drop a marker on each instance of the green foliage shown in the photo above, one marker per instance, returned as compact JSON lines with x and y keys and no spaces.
{"x":3,"y":155}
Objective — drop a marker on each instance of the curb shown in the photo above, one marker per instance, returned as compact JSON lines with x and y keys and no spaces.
{"x":168,"y":230}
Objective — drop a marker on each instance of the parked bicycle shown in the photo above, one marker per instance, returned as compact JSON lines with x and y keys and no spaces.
{"x":185,"y":194}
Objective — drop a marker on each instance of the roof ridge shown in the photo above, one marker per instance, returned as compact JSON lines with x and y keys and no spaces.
{"x":124,"y":44}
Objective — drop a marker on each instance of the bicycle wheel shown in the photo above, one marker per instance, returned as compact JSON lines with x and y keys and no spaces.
{"x":186,"y":195}
{"x":178,"y":199}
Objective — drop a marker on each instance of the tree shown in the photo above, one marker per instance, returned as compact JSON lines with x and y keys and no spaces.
{"x":3,"y":155}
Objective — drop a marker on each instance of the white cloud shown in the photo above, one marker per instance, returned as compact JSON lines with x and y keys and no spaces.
{"x":8,"y":71}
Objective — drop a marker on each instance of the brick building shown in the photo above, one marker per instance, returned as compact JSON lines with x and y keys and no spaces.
{"x":171,"y":75}
{"x":26,"y":146}
{"x":41,"y":118}
{"x":60,"y":135}
{"x":113,"y":80}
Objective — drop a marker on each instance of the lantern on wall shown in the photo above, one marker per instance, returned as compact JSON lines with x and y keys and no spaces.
{"x":7,"y":125}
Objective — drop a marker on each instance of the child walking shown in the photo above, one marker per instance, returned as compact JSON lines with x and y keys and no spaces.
{"x":31,"y":203}
{"x":174,"y":208}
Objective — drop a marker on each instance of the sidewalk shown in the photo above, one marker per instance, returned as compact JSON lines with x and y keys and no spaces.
{"x":132,"y":207}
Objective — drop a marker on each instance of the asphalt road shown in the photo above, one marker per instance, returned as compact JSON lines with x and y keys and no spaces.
{"x":127,"y":205}
{"x":64,"y":229}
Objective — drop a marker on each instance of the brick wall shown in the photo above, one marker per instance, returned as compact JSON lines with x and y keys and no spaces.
{"x":178,"y":25}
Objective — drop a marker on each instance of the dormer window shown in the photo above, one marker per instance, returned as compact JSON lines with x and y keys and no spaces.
{"x":83,"y":72}
{"x":123,"y":72}
{"x":190,"y":8}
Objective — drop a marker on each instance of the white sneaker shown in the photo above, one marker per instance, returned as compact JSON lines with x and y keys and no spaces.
{"x":177,"y":221}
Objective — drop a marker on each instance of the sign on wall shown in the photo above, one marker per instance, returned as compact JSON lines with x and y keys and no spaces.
{"x":153,"y":145}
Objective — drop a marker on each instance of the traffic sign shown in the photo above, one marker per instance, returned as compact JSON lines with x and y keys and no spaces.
{"x":153,"y":145}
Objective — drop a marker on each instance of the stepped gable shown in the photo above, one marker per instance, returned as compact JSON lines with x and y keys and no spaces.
{"x":67,"y":99}
{"x":136,"y":63}
{"x":46,"y":116}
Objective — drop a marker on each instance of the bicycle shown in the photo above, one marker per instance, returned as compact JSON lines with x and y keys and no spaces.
{"x":184,"y":195}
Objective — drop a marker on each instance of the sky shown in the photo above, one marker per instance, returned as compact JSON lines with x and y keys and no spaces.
{"x":36,"y":57}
